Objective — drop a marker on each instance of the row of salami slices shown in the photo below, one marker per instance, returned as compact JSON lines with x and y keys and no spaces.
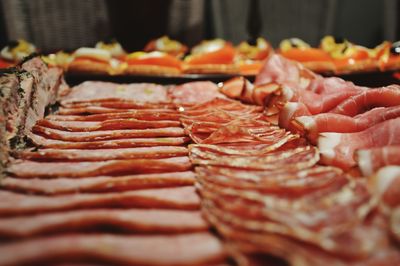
{"x":355,"y":129}
{"x":107,"y":181}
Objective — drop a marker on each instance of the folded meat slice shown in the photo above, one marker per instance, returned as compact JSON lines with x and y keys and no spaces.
{"x":93,"y":109}
{"x":299,"y":158}
{"x":107,"y":144}
{"x":31,"y":169}
{"x":192,"y":93}
{"x":64,"y":185}
{"x":139,"y":114}
{"x":156,"y":152}
{"x":330,"y":122}
{"x":129,"y":220}
{"x":395,"y":223}
{"x":370,"y":160}
{"x":338,"y":148}
{"x":98,"y":90}
{"x":385,"y":184}
{"x":128,"y":123}
{"x":56,"y":134}
{"x":164,"y":198}
{"x":380,"y":97}
{"x":180,"y":250}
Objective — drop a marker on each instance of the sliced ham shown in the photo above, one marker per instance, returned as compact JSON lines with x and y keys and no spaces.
{"x":192,"y":93}
{"x":386,"y":185}
{"x":98,"y":183}
{"x":165,"y":198}
{"x":56,"y":134}
{"x":97,"y":90}
{"x":331,"y":122}
{"x":180,"y":250}
{"x":123,"y":105}
{"x":31,"y":169}
{"x":370,"y":160}
{"x":220,"y":104}
{"x":129,"y":220}
{"x":174,"y":116}
{"x":129,"y":123}
{"x":338,"y":148}
{"x":102,"y":154}
{"x":107,"y":144}
{"x":380,"y":97}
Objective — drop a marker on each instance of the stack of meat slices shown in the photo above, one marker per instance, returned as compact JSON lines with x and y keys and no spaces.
{"x":108,"y":181}
{"x":264,"y":192}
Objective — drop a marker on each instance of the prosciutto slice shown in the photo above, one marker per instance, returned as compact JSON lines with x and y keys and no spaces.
{"x":338,"y":148}
{"x":107,"y":144}
{"x":130,"y":123}
{"x":64,"y":185}
{"x":370,"y":160}
{"x":380,"y":97}
{"x":165,"y":198}
{"x":330,"y":122}
{"x":97,"y":90}
{"x":385,"y":184}
{"x":130,"y":220}
{"x":56,"y":134}
{"x":31,"y":169}
{"x":192,"y":93}
{"x":194,"y":249}
{"x":156,"y":152}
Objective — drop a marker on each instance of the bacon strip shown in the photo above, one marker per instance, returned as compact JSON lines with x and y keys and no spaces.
{"x":166,"y":198}
{"x":102,"y":154}
{"x":30,"y":169}
{"x":131,"y":220}
{"x":98,"y":183}
{"x":113,"y":124}
{"x":194,"y":249}
{"x":107,"y":144}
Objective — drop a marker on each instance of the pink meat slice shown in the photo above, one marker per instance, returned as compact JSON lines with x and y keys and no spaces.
{"x":31,"y":169}
{"x":338,"y":149}
{"x":196,"y":92}
{"x":370,"y":160}
{"x":128,"y":123}
{"x":156,"y":152}
{"x":97,"y":90}
{"x":93,"y":109}
{"x":129,"y":220}
{"x":179,"y":250}
{"x":164,"y":198}
{"x":140,"y":115}
{"x":52,"y":133}
{"x":64,"y":185}
{"x":107,"y":144}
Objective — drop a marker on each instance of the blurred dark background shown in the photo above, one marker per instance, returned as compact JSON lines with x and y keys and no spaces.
{"x":68,"y":24}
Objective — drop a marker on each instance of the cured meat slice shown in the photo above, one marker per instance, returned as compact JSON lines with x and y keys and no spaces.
{"x":97,"y":90}
{"x":300,"y":158}
{"x":220,"y":104}
{"x":139,"y":114}
{"x":87,"y":110}
{"x":30,"y":169}
{"x":107,"y":144}
{"x":193,"y":249}
{"x":130,"y":220}
{"x":330,"y":122}
{"x":287,"y":183}
{"x":196,"y":92}
{"x":385,"y":184}
{"x":52,"y":133}
{"x":380,"y":97}
{"x":102,"y":154}
{"x":165,"y":198}
{"x":370,"y":160}
{"x":124,"y":105}
{"x":395,"y":223}
{"x":289,"y":111}
{"x":98,"y":183}
{"x":338,"y":148}
{"x":112,"y":124}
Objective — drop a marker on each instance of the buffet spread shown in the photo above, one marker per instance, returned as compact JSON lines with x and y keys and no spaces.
{"x":295,"y":168}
